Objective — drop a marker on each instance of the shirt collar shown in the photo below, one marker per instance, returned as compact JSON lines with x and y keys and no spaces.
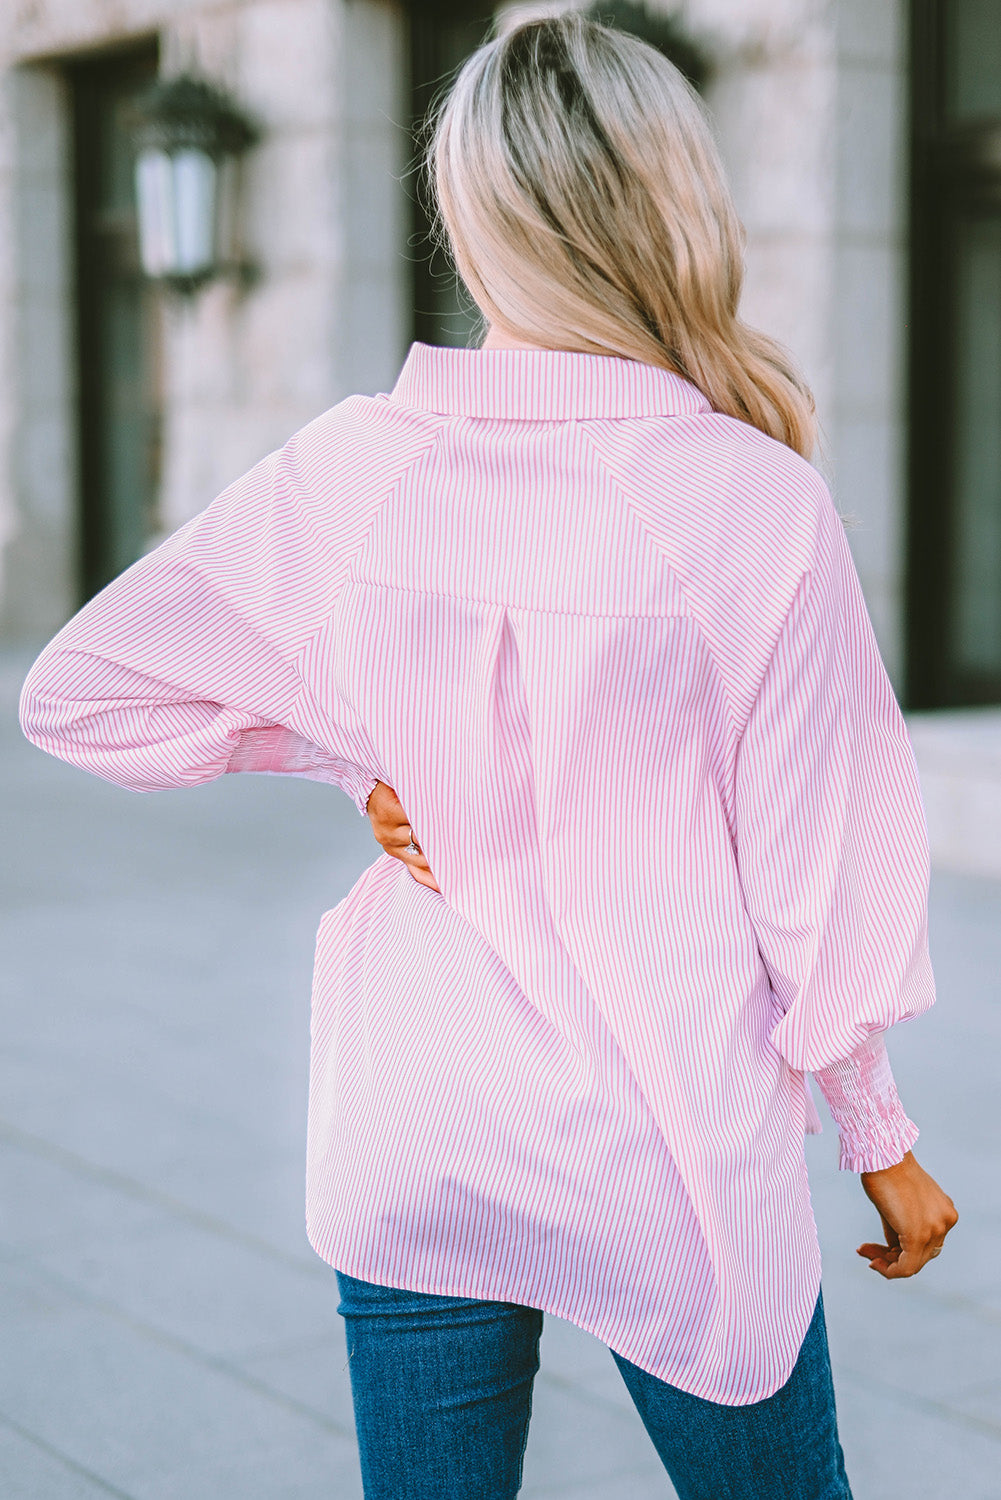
{"x":540,"y":385}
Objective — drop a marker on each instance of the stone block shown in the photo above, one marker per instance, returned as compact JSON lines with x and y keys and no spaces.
{"x":28,"y":1472}
{"x":39,"y":28}
{"x":959,"y":759}
{"x":291,"y":200}
{"x":40,"y":105}
{"x":300,"y":92}
{"x":45,"y":374}
{"x":38,"y":577}
{"x":375,"y":205}
{"x":42,"y":230}
{"x":373,"y":327}
{"x":47,"y":1204}
{"x":757,"y":29}
{"x":866,"y":489}
{"x":867,"y":332}
{"x":313,"y":1372}
{"x":44,"y":469}
{"x":151,"y":1418}
{"x":284,"y":338}
{"x":788,"y":295}
{"x":10,"y":146}
{"x":776,"y":131}
{"x":872,"y":31}
{"x":885,"y":611}
{"x":205,"y":1289}
{"x":895,"y":1447}
{"x":371,"y":63}
{"x":871,"y":152}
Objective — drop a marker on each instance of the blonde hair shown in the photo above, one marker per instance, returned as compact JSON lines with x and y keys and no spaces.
{"x":585,"y":203}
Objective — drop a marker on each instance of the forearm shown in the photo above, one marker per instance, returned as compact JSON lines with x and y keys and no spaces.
{"x":862,"y":1097}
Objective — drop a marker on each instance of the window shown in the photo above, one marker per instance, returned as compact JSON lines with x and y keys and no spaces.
{"x":954,"y":552}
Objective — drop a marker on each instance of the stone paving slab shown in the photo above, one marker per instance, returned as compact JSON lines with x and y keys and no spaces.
{"x":152,"y":1416}
{"x":31,"y":1472}
{"x":166,"y":1329}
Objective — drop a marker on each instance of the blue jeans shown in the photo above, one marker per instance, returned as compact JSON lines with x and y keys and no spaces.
{"x":442,"y":1390}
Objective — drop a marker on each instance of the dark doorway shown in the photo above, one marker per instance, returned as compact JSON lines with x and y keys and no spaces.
{"x":954,"y":552}
{"x":118,"y":343}
{"x":442,"y":35}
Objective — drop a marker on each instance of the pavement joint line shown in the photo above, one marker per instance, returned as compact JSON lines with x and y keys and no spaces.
{"x":173,"y":1341}
{"x":67,"y":1462}
{"x":131,"y":1187}
{"x":962,"y":1302}
{"x":929,"y":1404}
{"x":289,"y":1346}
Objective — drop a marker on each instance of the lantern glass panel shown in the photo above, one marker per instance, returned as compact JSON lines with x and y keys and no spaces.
{"x":195,"y":203}
{"x":154,"y":192}
{"x":179,"y":210}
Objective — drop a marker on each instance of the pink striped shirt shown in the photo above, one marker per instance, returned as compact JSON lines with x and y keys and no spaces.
{"x":610,"y":648}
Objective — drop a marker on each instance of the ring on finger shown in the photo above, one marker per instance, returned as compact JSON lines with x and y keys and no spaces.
{"x":412,"y":847}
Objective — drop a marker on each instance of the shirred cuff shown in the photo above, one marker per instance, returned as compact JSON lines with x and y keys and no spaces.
{"x":862,"y":1097}
{"x":277,"y":751}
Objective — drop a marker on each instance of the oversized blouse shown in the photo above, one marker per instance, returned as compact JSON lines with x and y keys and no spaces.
{"x":609,"y":647}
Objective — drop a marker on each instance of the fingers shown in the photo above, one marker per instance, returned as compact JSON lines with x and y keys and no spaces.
{"x":895,"y":1262}
{"x":386,"y":814}
{"x":392,"y":830}
{"x":907,"y":1263}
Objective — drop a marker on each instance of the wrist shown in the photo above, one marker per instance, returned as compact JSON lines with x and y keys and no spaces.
{"x":899,"y":1169}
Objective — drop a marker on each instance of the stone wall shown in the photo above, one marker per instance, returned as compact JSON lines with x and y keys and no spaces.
{"x":323,"y":227}
{"x":808,"y":95}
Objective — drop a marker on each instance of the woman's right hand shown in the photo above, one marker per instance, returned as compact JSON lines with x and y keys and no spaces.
{"x":392,"y":830}
{"x":916,"y":1216}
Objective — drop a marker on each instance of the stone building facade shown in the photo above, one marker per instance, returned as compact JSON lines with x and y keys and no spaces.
{"x":811,"y":100}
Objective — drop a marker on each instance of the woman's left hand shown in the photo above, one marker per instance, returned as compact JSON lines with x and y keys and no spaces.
{"x":916,"y":1216}
{"x":392,"y":830}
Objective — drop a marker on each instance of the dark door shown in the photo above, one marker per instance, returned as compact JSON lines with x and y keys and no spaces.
{"x":117,"y":323}
{"x":954,"y":563}
{"x":442,"y":35}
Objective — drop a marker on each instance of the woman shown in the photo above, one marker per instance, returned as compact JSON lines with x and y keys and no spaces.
{"x":580,"y":600}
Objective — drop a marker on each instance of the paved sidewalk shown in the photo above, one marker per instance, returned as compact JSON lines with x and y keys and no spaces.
{"x":167,"y":1333}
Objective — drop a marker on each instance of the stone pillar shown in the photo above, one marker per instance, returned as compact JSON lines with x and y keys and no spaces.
{"x":868,"y":414}
{"x":37,"y":378}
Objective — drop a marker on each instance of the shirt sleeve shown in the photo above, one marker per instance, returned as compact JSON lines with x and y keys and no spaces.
{"x":184,"y":667}
{"x":281,"y":752}
{"x":861,"y":1094}
{"x":830,"y":834}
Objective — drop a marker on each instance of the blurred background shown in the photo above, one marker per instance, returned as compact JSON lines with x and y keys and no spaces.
{"x":210,"y":231}
{"x":160,"y":330}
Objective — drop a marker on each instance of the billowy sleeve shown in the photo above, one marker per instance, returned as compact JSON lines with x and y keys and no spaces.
{"x":832,"y":851}
{"x":184,"y":667}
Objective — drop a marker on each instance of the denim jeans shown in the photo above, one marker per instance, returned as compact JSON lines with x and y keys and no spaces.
{"x":442,"y":1390}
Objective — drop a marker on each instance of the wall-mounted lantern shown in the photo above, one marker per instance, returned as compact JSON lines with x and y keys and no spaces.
{"x":190,"y":136}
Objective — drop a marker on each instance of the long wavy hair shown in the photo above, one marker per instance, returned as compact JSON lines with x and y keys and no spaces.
{"x":578,"y":182}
